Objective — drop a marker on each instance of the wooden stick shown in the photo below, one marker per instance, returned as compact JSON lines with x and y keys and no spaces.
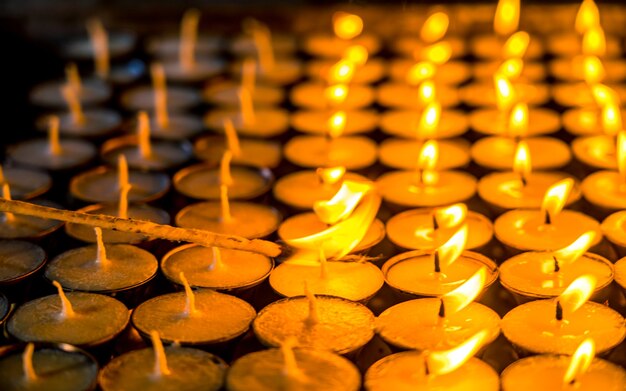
{"x":148,"y":228}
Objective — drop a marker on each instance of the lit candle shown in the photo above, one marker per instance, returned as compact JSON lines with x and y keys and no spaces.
{"x":318,"y":96}
{"x":14,"y":226}
{"x":25,"y":183}
{"x":520,"y":120}
{"x":498,"y":152}
{"x":417,"y":90}
{"x":580,"y":93}
{"x":614,"y":228}
{"x":429,"y":123}
{"x":604,"y":150}
{"x":356,"y":58}
{"x":254,"y":37}
{"x":605,"y":189}
{"x":603,"y":113}
{"x":316,"y":121}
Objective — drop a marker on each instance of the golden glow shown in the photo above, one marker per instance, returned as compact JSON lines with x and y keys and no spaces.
{"x":576,"y":294}
{"x":451,"y":216}
{"x":511,"y":68}
{"x":439,"y":53}
{"x":588,"y":16}
{"x":429,"y":120}
{"x":604,"y":95}
{"x":516,"y":45}
{"x":435,"y":27}
{"x":426,"y":162}
{"x":505,"y":94}
{"x":357,"y":54}
{"x":347,"y":26}
{"x":459,"y":298}
{"x":426,"y":92}
{"x":341,"y":72}
{"x":556,"y":196}
{"x":575,"y":250}
{"x":518,"y":121}
{"x":336,"y":124}
{"x":506,"y":20}
{"x":621,"y":152}
{"x":421,"y":71}
{"x":594,"y":42}
{"x":452,"y":249}
{"x":593,"y":69}
{"x":581,"y":360}
{"x":342,"y":204}
{"x":331,"y":175}
{"x":336,"y":94}
{"x":611,"y":119}
{"x":521,"y":164}
{"x":440,"y":363}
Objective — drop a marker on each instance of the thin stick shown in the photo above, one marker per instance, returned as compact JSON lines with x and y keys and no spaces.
{"x":148,"y":228}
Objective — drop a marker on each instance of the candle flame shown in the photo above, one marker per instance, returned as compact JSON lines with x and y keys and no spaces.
{"x":27,"y":362}
{"x":576,"y":294}
{"x":571,"y":253}
{"x":336,"y":94}
{"x":330,"y":175}
{"x":341,"y":72}
{"x":357,"y":54}
{"x":143,"y":131}
{"x":587,"y":17}
{"x":506,"y":20}
{"x":420,"y":72}
{"x":511,"y":68}
{"x":593,"y":70}
{"x":429,"y":121}
{"x":518,"y":120}
{"x":581,"y":360}
{"x":452,"y":249}
{"x":603,"y":95}
{"x":100,"y":44}
{"x":232,"y":139}
{"x":188,"y":38}
{"x":611,"y":118}
{"x":427,"y":92}
{"x":451,"y":216}
{"x":505,"y":93}
{"x":522,"y":164}
{"x":516,"y":45}
{"x":226,"y":178}
{"x":440,"y":363}
{"x":435,"y":27}
{"x":342,"y":204}
{"x":594,"y":42}
{"x":438,"y":53}
{"x":459,"y":298}
{"x":346,"y":25}
{"x":73,"y":78}
{"x":426,"y":162}
{"x":621,"y":152}
{"x":555,"y":198}
{"x":336,"y":124}
{"x":54,"y":142}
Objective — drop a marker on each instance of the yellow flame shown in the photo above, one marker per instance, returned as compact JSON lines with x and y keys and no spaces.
{"x":594,"y":42}
{"x":427,"y":92}
{"x":581,"y":360}
{"x":588,"y":16}
{"x":435,"y":27}
{"x":611,"y":119}
{"x":603,"y":95}
{"x":593,"y":69}
{"x":427,"y":160}
{"x":421,"y":71}
{"x":506,"y":19}
{"x":336,"y":94}
{"x":575,"y":250}
{"x":459,"y":298}
{"x":452,"y":249}
{"x":440,"y":363}
{"x":516,"y":45}
{"x":336,"y":124}
{"x":621,"y":152}
{"x":518,"y":121}
{"x":522,"y":164}
{"x":347,"y":26}
{"x":330,"y":175}
{"x":341,"y":72}
{"x":576,"y":294}
{"x":511,"y":68}
{"x":343,"y":202}
{"x":451,"y":216}
{"x":556,"y":196}
{"x":357,"y":54}
{"x":429,"y":120}
{"x":505,"y":94}
{"x":438,"y":53}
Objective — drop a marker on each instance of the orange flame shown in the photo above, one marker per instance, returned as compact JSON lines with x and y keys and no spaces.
{"x":581,"y":360}
{"x":611,"y":119}
{"x":516,"y":45}
{"x":429,"y":120}
{"x":505,"y":94}
{"x":451,"y":216}
{"x":555,"y":198}
{"x":603,"y":94}
{"x":336,"y":124}
{"x":427,"y":92}
{"x":357,"y":54}
{"x":621,"y":152}
{"x":459,"y":298}
{"x":588,"y":16}
{"x":518,"y":121}
{"x":575,"y":250}
{"x":336,"y":94}
{"x":341,"y":72}
{"x":593,"y":69}
{"x":521,"y":164}
{"x":452,"y":249}
{"x":426,"y":162}
{"x":343,"y":202}
{"x":594,"y":42}
{"x":347,"y":26}
{"x":421,"y":71}
{"x":435,"y":27}
{"x":576,"y":294}
{"x":440,"y":363}
{"x":331,"y":175}
{"x":511,"y":68}
{"x":438,"y":53}
{"x":506,"y":19}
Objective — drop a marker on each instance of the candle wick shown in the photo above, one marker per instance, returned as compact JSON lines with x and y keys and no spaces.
{"x":435,"y":222}
{"x":523,"y":180}
{"x":313,"y":316}
{"x":437,"y":262}
{"x":160,"y":359}
{"x":557,"y":268}
{"x":27,"y":363}
{"x":547,"y":218}
{"x":67,"y":311}
{"x":426,"y":367}
{"x":53,"y":136}
{"x":190,"y":303}
{"x":101,"y":255}
{"x":442,"y":309}
{"x":559,"y":311}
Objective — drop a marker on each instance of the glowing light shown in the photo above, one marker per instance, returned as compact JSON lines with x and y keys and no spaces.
{"x":336,"y":94}
{"x":611,"y":119}
{"x":452,"y":249}
{"x":604,"y":95}
{"x":459,"y":298}
{"x":518,"y":120}
{"x":429,"y":120}
{"x":330,"y":175}
{"x":357,"y":54}
{"x":451,"y":216}
{"x":593,"y":69}
{"x":576,"y":294}
{"x":435,"y":27}
{"x":522,"y":164}
{"x":336,"y":124}
{"x":506,"y":20}
{"x":346,"y":25}
{"x":516,"y":45}
{"x":571,"y":253}
{"x":621,"y":152}
{"x":342,"y":204}
{"x":426,"y":162}
{"x":438,"y":53}
{"x":587,"y":17}
{"x":511,"y":68}
{"x":555,"y":198}
{"x":341,"y":72}
{"x":594,"y":42}
{"x":505,"y":94}
{"x":440,"y":363}
{"x":426,"y":92}
{"x":581,"y":360}
{"x":421,"y":71}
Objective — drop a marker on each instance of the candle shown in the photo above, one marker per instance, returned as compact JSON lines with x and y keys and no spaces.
{"x":351,"y":152}
{"x":288,"y":368}
{"x":316,"y":322}
{"x":199,"y":318}
{"x":77,"y":318}
{"x":25,"y":183}
{"x":18,"y":261}
{"x":587,"y":121}
{"x":611,"y":183}
{"x":316,"y":121}
{"x":256,"y":35}
{"x":143,"y":98}
{"x":89,"y":92}
{"x":439,"y":323}
{"x":225,"y":93}
{"x":429,"y":123}
{"x":522,"y":120}
{"x":86,"y":47}
{"x":399,"y":153}
{"x":369,"y":72}
{"x":613,"y":228}
{"x":453,"y":369}
{"x":95,"y":123}
{"x":51,"y":367}
{"x":220,"y":269}
{"x":558,"y":326}
{"x":260,"y":122}
{"x":347,"y":28}
{"x":498,"y":152}
{"x":314,"y":95}
{"x":399,"y":95}
{"x":529,"y":72}
{"x":248,"y":152}
{"x":548,"y":228}
{"x":173,"y":367}
{"x":450,"y":73}
{"x":582,"y":371}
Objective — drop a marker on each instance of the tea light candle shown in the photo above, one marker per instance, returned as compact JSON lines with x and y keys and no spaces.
{"x":286,"y":367}
{"x":434,"y":29}
{"x":86,"y":47}
{"x":259,"y":122}
{"x":453,"y":369}
{"x":399,"y":95}
{"x":94,"y":123}
{"x":451,"y":73}
{"x":439,"y":323}
{"x":18,"y":260}
{"x":429,"y":123}
{"x":251,"y":152}
{"x":89,"y":92}
{"x":536,"y":121}
{"x":25,"y":183}
{"x":143,"y":98}
{"x":50,"y":367}
{"x":580,"y":94}
{"x":203,"y":317}
{"x":282,"y":71}
{"x":400,"y":153}
{"x":225,"y":93}
{"x":159,"y":367}
{"x":530,"y":71}
{"x":351,"y":152}
{"x":77,"y":318}
{"x":483,"y":94}
{"x":214,"y":268}
{"x":498,"y":152}
{"x":613,"y":228}
{"x":573,"y":69}
{"x":315,"y":322}
{"x":611,"y":183}
{"x":548,"y":228}
{"x":370,"y":72}
{"x":316,"y":121}
{"x":585,"y":121}
{"x":256,"y":35}
{"x":314,"y":95}
{"x":558,"y":326}
{"x":102,"y":268}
